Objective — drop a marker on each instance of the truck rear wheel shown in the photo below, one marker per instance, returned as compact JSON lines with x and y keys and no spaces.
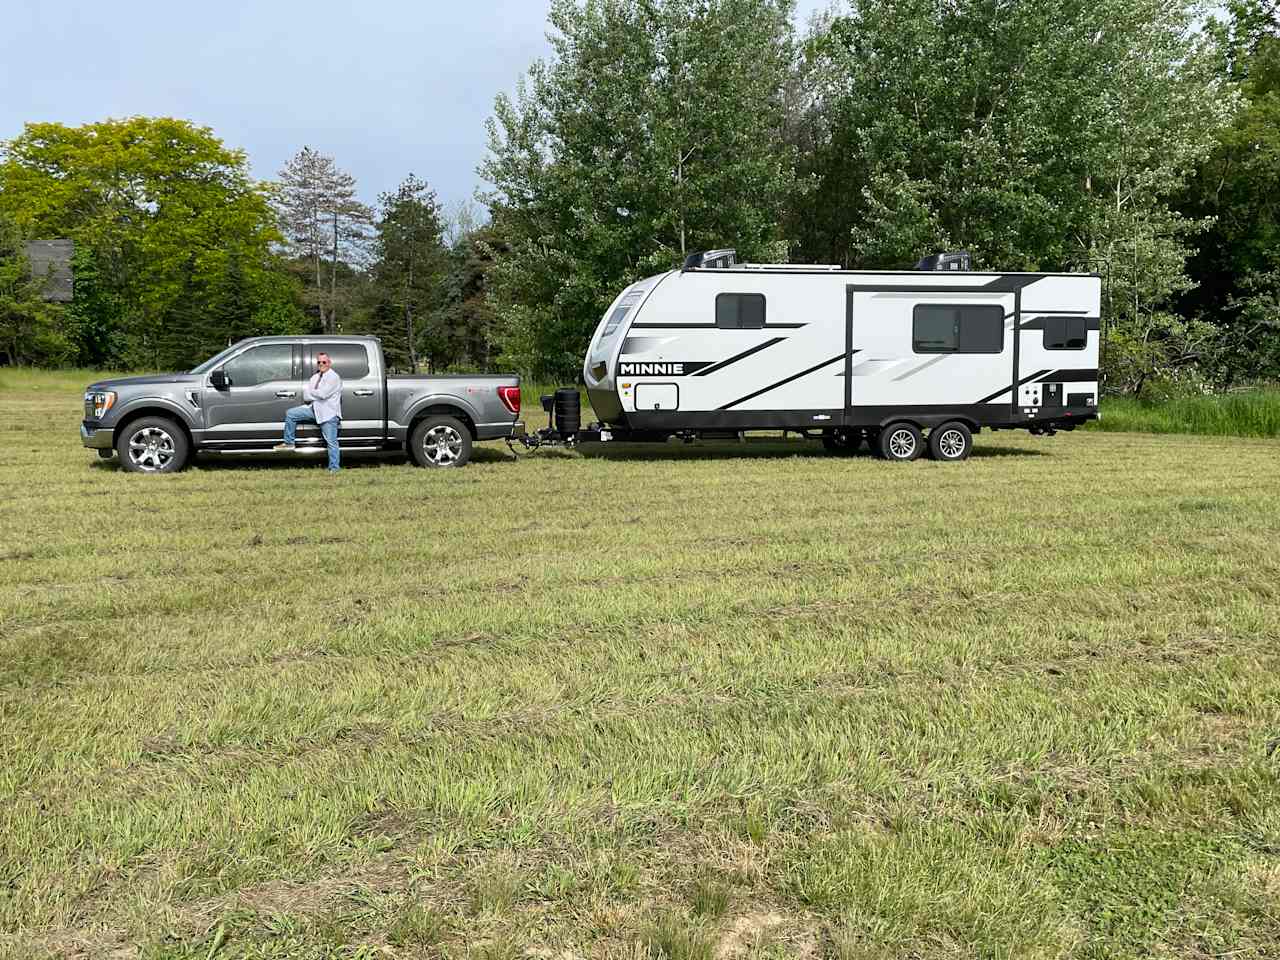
{"x":901,"y":441}
{"x":153,"y":445}
{"x":951,"y":441}
{"x":440,"y":441}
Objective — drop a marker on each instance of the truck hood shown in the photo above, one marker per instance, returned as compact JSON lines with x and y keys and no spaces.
{"x":155,"y":378}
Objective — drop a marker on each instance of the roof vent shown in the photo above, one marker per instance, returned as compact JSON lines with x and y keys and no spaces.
{"x":951,"y":260}
{"x":711,"y":260}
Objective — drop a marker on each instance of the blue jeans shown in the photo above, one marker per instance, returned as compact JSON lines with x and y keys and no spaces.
{"x":303,"y":414}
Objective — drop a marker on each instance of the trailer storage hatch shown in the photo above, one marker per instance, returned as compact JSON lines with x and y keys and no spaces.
{"x":657,"y":396}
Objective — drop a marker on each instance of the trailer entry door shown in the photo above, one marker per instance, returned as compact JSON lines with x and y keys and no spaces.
{"x":917,"y":347}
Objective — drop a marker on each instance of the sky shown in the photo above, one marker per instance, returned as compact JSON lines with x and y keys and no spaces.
{"x":387,"y":87}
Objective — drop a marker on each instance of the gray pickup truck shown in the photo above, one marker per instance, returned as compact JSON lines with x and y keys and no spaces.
{"x":235,"y":403}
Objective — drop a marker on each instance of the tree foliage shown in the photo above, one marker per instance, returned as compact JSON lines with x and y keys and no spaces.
{"x":408,"y":271}
{"x":654,"y":129}
{"x":1237,"y":190}
{"x":30,"y":328}
{"x":323,"y":219}
{"x":162,"y":213}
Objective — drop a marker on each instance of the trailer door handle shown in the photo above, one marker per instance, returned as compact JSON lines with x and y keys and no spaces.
{"x":284,"y":394}
{"x":364,"y":393}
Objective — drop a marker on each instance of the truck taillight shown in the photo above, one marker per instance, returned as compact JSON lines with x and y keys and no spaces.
{"x":510,"y":397}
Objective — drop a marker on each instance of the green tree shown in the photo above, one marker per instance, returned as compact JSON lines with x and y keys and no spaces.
{"x":1237,"y":265}
{"x":655,"y":129}
{"x":158,"y":209}
{"x":30,"y":328}
{"x":1041,"y":135}
{"x":409,"y":265}
{"x":321,"y":217}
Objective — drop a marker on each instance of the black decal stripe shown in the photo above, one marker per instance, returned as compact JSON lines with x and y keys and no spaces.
{"x":712,"y":326}
{"x":734,"y":359}
{"x":780,"y":383}
{"x":1068,"y":376}
{"x":1003,"y":390}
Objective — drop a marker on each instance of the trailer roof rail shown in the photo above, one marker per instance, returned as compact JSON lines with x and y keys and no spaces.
{"x":798,"y":267}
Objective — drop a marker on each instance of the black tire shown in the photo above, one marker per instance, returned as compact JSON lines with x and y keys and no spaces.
{"x":105,"y":454}
{"x":951,"y":441}
{"x":440,"y":441}
{"x":841,"y":441}
{"x":153,"y":445}
{"x":901,"y":441}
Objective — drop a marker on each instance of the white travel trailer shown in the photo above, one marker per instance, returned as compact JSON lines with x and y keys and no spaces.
{"x":719,"y":347}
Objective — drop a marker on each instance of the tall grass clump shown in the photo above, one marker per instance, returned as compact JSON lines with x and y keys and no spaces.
{"x":1252,"y":413}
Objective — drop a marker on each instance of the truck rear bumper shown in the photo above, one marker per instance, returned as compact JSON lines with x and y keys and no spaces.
{"x":496,"y":431}
{"x":95,"y":438}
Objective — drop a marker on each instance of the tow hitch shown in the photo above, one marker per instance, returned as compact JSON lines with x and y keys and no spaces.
{"x":564,"y":423}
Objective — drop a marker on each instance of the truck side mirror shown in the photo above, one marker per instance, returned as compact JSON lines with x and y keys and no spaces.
{"x":219,"y":380}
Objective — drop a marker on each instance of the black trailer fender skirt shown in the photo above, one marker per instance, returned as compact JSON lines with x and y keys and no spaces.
{"x":978,"y":414}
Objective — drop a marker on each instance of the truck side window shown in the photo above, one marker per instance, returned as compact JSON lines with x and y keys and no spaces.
{"x":350,"y":360}
{"x":959,"y":328}
{"x":740,"y":311}
{"x":1065,"y":333}
{"x":262,"y":364}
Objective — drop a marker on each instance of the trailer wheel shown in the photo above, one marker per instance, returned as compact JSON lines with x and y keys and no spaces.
{"x":901,"y":441}
{"x":841,"y":441}
{"x":951,"y":441}
{"x":440,"y":441}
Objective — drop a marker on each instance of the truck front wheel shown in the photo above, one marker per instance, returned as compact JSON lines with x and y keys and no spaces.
{"x":153,"y":445}
{"x":440,"y":441}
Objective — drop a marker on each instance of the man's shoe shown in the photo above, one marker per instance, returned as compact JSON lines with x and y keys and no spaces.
{"x":279,"y":447}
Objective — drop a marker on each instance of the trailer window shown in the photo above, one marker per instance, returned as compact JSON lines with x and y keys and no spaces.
{"x":946,"y":328}
{"x":1065,"y":333}
{"x":740,"y":311}
{"x":620,"y":312}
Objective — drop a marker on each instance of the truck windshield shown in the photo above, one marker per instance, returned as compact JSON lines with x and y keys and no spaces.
{"x":216,"y":359}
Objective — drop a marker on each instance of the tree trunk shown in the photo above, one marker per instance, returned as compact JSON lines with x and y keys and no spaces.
{"x":333,"y":280}
{"x":408,"y":315}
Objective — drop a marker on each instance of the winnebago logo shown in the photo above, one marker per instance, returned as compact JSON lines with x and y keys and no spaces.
{"x":662,"y":368}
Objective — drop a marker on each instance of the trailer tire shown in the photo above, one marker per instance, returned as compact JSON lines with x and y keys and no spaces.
{"x":901,"y":441}
{"x":440,"y":441}
{"x":842,"y":441}
{"x":952,"y":441}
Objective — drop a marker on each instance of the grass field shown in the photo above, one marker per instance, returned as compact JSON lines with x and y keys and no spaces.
{"x":699,"y":702}
{"x":1248,"y":413}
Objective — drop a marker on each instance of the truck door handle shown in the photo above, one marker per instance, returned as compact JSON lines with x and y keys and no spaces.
{"x":284,"y":393}
{"x":364,"y":393}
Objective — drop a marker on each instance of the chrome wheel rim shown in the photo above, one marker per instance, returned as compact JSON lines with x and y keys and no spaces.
{"x":151,"y":449}
{"x":902,"y":444}
{"x":951,"y":444}
{"x":442,"y":446}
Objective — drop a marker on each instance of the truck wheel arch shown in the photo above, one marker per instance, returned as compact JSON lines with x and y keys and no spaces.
{"x":153,"y":410}
{"x":442,"y":409}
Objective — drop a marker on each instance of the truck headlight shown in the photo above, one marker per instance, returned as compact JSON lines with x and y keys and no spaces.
{"x":102,"y":402}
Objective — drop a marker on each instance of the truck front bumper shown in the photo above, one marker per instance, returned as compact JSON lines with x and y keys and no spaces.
{"x":92,"y":436}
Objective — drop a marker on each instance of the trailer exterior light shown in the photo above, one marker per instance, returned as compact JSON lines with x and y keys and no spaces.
{"x":510,"y":397}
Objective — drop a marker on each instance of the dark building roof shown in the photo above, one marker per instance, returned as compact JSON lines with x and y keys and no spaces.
{"x":52,"y":259}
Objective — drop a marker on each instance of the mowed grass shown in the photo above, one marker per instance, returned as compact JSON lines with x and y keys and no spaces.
{"x":687,"y":702}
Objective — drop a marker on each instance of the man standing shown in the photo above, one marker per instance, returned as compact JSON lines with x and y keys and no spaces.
{"x":324,"y":392}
